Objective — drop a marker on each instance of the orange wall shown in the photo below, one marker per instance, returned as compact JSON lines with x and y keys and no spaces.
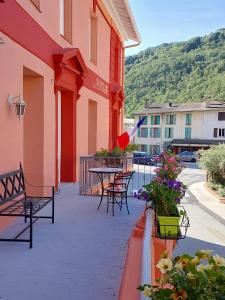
{"x":14,"y":57}
{"x":12,"y":60}
{"x":82,"y":123}
{"x":48,"y":18}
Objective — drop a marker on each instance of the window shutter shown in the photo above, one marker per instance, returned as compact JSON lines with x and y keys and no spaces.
{"x":215,"y":132}
{"x":151,"y":132}
{"x":174,"y":119}
{"x":152,"y":120}
{"x":139,"y":132}
{"x":157,"y":120}
{"x":158,"y":132}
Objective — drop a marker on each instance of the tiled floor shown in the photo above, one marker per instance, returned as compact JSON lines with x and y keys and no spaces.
{"x":80,"y":257}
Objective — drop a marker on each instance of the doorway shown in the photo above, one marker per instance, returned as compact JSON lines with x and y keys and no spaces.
{"x":33,"y":126}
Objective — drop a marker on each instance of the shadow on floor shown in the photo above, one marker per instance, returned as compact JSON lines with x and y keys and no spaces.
{"x":191,"y":245}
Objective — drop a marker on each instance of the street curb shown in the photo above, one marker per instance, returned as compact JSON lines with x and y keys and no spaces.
{"x":206,"y":209}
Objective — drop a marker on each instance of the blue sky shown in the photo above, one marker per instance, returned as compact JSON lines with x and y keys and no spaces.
{"x":163,"y":21}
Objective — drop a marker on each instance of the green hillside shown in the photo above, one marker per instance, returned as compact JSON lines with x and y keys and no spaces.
{"x":179,"y":72}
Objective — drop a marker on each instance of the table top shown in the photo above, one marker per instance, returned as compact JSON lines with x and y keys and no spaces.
{"x":106,"y":170}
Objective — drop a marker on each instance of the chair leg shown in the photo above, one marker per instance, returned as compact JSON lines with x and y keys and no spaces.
{"x":121,"y":201}
{"x":113,"y":202}
{"x":127,"y":205}
{"x":108,"y":197}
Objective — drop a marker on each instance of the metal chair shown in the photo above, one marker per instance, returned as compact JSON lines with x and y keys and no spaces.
{"x":119,"y":188}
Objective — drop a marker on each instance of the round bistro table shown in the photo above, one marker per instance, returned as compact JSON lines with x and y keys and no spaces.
{"x":100,"y":172}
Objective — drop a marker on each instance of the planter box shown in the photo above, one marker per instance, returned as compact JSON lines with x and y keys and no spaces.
{"x":169,"y":226}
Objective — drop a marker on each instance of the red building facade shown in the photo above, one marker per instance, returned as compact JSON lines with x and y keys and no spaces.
{"x":66,"y":59}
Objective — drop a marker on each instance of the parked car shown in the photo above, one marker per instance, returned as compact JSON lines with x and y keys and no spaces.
{"x":187,"y":156}
{"x":142,"y":158}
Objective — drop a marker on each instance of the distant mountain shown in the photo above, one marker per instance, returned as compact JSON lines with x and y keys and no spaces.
{"x":177,"y":72}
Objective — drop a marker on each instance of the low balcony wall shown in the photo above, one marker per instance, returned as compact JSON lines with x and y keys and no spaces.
{"x":143,"y":254}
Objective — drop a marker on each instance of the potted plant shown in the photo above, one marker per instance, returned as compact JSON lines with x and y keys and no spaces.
{"x":165,"y":195}
{"x":189,"y":277}
{"x":165,"y":192}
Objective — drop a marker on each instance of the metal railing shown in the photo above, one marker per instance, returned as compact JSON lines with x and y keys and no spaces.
{"x":90,"y":184}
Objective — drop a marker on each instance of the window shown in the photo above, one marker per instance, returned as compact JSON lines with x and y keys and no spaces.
{"x":145,"y":120}
{"x":36,"y":3}
{"x":220,"y":132}
{"x":170,"y":119}
{"x":155,"y":132}
{"x":65,"y":17}
{"x":188,"y":119}
{"x":143,"y":148}
{"x":154,"y":149}
{"x":155,"y":120}
{"x":187,"y":132}
{"x":168,"y":132}
{"x":93,"y":38}
{"x":92,"y":127}
{"x":143,"y":132}
{"x":221,"y":116}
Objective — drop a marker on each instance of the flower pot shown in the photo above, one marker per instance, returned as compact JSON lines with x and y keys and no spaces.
{"x":169,"y":226}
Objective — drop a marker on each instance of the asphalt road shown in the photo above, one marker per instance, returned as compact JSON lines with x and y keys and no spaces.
{"x":206,"y":230}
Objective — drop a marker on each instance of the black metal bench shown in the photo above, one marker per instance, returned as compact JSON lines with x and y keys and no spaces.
{"x":14,"y":202}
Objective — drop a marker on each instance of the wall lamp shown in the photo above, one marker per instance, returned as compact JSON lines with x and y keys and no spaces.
{"x":19,"y":105}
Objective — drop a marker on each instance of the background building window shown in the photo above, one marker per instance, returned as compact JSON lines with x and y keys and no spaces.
{"x":93,"y":37}
{"x":170,"y":119}
{"x":145,"y":120}
{"x":168,"y":133}
{"x":65,"y":19}
{"x":188,"y":119}
{"x":188,"y":133}
{"x":221,"y":132}
{"x":143,"y":132}
{"x":155,"y":132}
{"x":155,"y":120}
{"x":154,"y":149}
{"x":221,"y":116}
{"x":143,"y":148}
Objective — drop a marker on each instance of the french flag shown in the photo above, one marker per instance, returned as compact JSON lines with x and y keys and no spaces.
{"x":124,"y":139}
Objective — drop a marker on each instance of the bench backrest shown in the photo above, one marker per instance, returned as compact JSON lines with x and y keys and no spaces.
{"x":11,"y":185}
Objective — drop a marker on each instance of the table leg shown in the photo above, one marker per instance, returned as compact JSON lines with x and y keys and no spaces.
{"x":100,"y":175}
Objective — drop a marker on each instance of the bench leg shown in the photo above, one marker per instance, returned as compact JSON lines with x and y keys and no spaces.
{"x":31,"y":225}
{"x":53,"y":210}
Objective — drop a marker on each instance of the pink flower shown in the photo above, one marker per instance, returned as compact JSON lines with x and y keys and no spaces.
{"x":166,"y":167}
{"x":174,"y":169}
{"x":157,"y":170}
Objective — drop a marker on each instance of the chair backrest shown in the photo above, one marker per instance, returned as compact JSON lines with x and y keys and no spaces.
{"x":11,"y":185}
{"x":125,"y":176}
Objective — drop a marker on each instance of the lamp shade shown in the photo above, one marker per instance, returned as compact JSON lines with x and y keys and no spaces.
{"x":20,"y":106}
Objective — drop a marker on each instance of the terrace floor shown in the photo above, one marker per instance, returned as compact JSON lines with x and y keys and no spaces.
{"x":80,"y":257}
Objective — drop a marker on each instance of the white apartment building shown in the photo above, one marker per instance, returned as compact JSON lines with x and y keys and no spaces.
{"x":186,"y":126}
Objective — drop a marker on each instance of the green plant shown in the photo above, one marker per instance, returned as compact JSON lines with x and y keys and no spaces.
{"x":213,"y":160}
{"x":131,"y":148}
{"x":188,"y":277}
{"x":217,"y":187}
{"x":116,"y":152}
{"x":165,"y":195}
{"x":102,"y":153}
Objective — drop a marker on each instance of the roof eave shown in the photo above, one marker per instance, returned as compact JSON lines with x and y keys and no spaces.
{"x":111,"y":8}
